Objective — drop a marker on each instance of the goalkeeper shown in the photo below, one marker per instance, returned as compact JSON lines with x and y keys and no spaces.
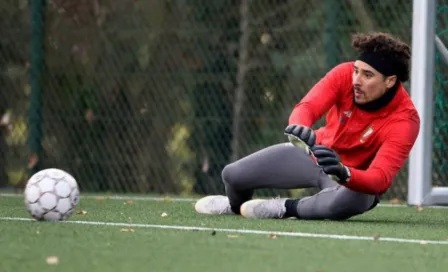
{"x":371,"y":127}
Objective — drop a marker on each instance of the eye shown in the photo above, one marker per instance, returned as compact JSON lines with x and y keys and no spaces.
{"x":368,"y":75}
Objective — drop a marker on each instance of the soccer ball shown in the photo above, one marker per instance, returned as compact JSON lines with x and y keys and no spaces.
{"x":51,"y":195}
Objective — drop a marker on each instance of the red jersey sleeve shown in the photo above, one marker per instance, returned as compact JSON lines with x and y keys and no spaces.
{"x":322,"y":96}
{"x":391,"y":156}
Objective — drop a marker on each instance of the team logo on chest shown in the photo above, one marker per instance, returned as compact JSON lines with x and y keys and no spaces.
{"x":344,"y":116}
{"x":366,"y":134}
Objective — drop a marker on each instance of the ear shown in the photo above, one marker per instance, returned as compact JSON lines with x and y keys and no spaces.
{"x":390,"y":81}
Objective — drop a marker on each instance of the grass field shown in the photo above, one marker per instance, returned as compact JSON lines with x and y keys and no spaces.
{"x":166,"y":235}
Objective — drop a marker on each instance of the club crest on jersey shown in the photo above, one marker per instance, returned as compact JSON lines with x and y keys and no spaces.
{"x":345,"y":115}
{"x":366,"y":134}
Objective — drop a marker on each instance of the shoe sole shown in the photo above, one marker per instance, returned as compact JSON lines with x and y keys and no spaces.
{"x":200,"y":205}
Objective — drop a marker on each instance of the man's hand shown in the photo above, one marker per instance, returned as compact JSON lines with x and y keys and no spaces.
{"x":331,"y":164}
{"x":300,"y":136}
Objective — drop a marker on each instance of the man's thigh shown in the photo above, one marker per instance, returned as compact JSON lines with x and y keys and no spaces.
{"x":281,"y":166}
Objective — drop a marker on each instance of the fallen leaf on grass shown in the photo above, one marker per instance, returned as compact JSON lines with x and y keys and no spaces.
{"x":129,"y":202}
{"x":52,"y":260}
{"x":232,"y":236}
{"x":395,"y":201}
{"x":100,"y":198}
{"x":81,"y":212}
{"x":419,"y":208}
{"x":272,"y":236}
{"x":127,"y":230}
{"x":376,"y":236}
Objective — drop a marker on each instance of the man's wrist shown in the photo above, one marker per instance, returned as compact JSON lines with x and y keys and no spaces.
{"x":348,"y":174}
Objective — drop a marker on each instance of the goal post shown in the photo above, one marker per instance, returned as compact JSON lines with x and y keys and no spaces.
{"x":424,"y":42}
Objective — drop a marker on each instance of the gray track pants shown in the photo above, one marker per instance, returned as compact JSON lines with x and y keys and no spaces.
{"x":284,"y":166}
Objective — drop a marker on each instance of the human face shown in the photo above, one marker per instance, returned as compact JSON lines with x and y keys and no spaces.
{"x":368,"y":83}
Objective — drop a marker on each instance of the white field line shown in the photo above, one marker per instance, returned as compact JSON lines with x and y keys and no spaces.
{"x":118,"y":197}
{"x":246,"y":231}
{"x":181,"y":199}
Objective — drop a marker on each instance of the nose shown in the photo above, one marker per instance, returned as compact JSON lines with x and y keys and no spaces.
{"x":356,"y":79}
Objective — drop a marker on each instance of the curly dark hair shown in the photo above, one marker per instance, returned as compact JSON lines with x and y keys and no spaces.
{"x":386,"y":44}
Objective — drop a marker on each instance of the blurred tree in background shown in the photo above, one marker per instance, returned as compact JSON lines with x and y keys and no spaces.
{"x":158,"y":96}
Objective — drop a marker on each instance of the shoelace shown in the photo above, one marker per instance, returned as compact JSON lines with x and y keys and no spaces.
{"x":274,"y":208}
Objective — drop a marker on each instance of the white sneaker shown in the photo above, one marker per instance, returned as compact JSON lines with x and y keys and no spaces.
{"x":215,"y":204}
{"x":260,"y":208}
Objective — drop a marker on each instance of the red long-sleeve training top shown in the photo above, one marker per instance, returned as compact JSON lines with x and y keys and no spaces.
{"x":373,"y":145}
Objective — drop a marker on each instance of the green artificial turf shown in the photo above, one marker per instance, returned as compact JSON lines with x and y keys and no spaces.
{"x":152,"y":237}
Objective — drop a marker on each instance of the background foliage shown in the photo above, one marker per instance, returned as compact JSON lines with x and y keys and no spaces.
{"x":157,"y":96}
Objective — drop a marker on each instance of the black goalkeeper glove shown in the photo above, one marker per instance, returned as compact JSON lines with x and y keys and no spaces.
{"x":300,"y":136}
{"x":331,"y":164}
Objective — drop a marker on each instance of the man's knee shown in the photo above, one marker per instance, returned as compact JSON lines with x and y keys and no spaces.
{"x":228,"y":174}
{"x":236,"y":175}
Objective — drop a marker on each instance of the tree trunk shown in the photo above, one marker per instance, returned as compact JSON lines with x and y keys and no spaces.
{"x":362,"y":15}
{"x":243,"y":67}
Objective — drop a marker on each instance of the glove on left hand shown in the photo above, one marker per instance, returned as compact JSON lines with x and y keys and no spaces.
{"x":301,"y":136}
